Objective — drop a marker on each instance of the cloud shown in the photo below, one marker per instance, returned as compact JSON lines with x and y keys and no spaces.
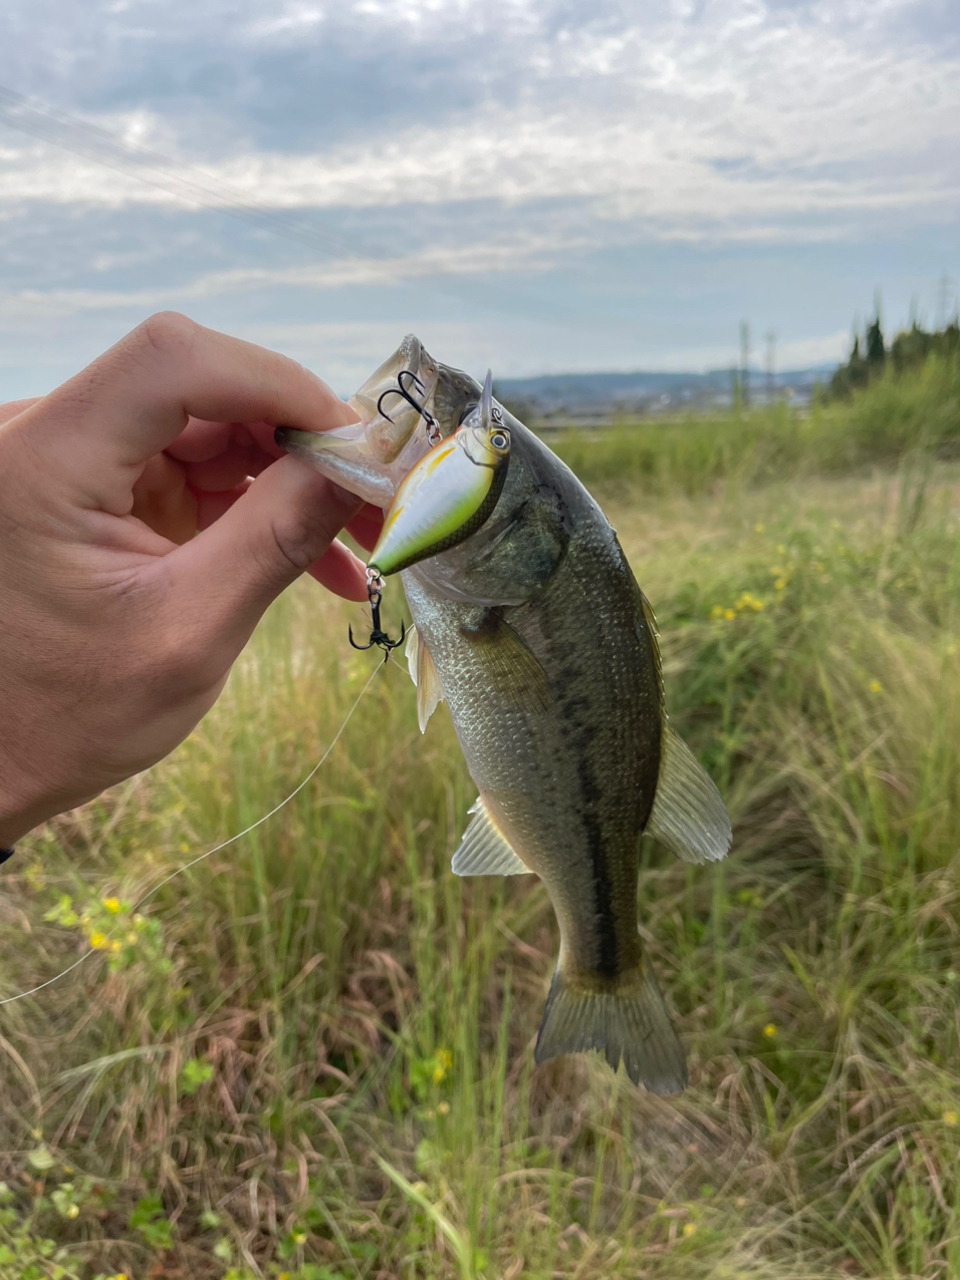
{"x":673,"y":179}
{"x":624,"y":153}
{"x":463,"y":260}
{"x":635,"y":117}
{"x":807,"y":353}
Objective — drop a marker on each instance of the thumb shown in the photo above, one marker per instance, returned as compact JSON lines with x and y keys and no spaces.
{"x":233,"y":570}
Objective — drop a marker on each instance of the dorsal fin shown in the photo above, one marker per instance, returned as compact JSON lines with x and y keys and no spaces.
{"x":483,"y":850}
{"x":651,"y":620}
{"x":688,"y":816}
{"x":424,"y":675}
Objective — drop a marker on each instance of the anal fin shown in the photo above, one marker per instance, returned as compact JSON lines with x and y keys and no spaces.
{"x":484,"y":851}
{"x":688,"y":817}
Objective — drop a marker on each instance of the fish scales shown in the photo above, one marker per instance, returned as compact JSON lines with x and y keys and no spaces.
{"x":570,"y":786}
{"x":535,"y":632}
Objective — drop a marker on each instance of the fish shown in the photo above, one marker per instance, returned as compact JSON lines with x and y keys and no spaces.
{"x":530,"y":624}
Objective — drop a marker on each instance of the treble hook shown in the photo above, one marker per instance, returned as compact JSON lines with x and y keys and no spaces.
{"x":433,"y":427}
{"x":377,"y":634}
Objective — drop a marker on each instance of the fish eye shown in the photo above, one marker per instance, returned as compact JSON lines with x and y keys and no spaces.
{"x":500,"y":440}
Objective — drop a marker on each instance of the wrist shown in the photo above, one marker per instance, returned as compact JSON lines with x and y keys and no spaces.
{"x":23,"y":805}
{"x":15,"y":823}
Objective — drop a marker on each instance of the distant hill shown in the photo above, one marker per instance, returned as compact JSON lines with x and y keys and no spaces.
{"x":600,"y":394}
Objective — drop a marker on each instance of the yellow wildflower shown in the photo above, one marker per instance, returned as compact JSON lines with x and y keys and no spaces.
{"x":99,"y":941}
{"x":779,"y":584}
{"x":875,"y":686}
{"x":759,"y":527}
{"x":769,"y":1030}
{"x":443,"y":1108}
{"x":298,"y":1237}
{"x":950,"y":1119}
{"x":73,"y":1211}
{"x":717,"y":611}
{"x":689,"y":1228}
{"x":442,"y":1062}
{"x":728,"y":614}
{"x":749,"y":601}
{"x":111,"y":904}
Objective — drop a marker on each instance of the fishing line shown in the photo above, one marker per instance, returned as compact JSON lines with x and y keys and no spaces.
{"x":216,"y":849}
{"x":207,"y":191}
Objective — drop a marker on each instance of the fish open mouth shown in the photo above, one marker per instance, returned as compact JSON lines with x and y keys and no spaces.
{"x":408,"y":405}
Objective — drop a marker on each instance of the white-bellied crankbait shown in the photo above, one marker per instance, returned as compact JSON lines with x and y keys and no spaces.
{"x":448,"y":494}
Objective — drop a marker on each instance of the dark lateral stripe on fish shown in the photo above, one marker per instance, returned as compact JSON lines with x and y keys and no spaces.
{"x":582,"y":735}
{"x":608,"y":964}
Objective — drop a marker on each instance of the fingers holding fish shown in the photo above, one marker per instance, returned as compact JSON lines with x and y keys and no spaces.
{"x":365,"y":527}
{"x":14,"y":407}
{"x":137,"y":398}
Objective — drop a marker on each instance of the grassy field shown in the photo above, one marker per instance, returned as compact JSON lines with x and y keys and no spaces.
{"x":311,"y":1054}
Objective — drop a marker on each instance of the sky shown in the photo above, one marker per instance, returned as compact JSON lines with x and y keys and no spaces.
{"x":532,"y":185}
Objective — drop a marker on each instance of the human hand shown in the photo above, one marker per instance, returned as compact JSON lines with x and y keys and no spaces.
{"x":118,"y":625}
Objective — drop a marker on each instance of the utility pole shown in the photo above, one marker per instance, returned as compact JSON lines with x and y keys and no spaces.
{"x":771,"y":363}
{"x":745,"y":363}
{"x":943,"y":300}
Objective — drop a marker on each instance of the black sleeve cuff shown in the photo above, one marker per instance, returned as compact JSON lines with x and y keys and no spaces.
{"x":5,"y":854}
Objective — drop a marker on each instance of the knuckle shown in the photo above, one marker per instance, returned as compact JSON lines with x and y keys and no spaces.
{"x":168,"y":333}
{"x":301,"y":539}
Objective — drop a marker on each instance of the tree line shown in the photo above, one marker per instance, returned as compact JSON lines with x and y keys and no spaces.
{"x":909,"y":348}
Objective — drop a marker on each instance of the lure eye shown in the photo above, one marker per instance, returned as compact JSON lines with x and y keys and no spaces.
{"x":500,"y":440}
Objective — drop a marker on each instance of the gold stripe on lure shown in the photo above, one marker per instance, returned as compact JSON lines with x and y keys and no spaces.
{"x":448,"y":494}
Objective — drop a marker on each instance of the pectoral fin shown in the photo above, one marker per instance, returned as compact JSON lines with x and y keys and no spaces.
{"x":424,"y":675}
{"x":688,"y":816}
{"x":483,"y":850}
{"x":513,"y":670}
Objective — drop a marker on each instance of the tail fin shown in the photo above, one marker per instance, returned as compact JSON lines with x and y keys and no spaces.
{"x":628,"y":1023}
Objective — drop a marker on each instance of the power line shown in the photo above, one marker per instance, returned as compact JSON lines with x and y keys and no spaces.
{"x":745,"y":363}
{"x":61,"y":129}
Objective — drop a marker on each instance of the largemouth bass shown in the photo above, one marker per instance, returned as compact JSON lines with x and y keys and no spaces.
{"x":531,"y":626}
